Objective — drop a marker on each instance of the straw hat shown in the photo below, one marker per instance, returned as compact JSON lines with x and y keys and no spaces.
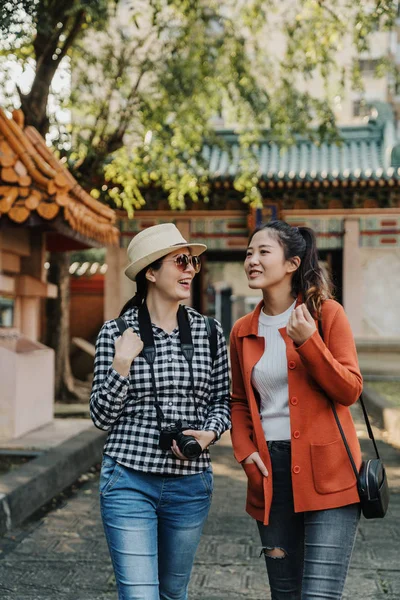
{"x":154,"y":243}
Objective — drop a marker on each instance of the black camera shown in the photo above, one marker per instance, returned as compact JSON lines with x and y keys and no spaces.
{"x":187,"y":444}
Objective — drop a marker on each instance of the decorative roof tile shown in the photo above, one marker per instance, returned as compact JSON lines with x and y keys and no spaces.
{"x":32,"y":179}
{"x":363,"y":154}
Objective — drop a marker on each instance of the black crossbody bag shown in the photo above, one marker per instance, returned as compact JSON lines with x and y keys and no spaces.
{"x":372,"y":483}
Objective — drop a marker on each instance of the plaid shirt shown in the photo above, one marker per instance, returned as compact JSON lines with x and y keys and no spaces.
{"x":124,"y":406}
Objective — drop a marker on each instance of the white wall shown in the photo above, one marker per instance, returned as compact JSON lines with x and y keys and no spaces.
{"x":380,"y":292}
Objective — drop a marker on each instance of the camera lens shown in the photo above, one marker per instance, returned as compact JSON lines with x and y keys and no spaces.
{"x":189,"y":446}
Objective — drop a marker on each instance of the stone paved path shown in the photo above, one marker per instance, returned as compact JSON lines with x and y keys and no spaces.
{"x":63,"y":555}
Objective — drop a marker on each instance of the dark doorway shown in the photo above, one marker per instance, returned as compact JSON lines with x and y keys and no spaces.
{"x":334,"y":262}
{"x":332,"y":258}
{"x":199,"y":285}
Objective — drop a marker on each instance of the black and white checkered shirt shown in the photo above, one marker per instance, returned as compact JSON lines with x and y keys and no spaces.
{"x":124,"y":406}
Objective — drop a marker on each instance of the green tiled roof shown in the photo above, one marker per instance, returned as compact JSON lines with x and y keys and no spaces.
{"x":366,"y":152}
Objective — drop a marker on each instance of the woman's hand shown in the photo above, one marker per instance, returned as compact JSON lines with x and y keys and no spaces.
{"x":256,"y":459}
{"x":203,"y":437}
{"x":127,"y":347}
{"x":301,"y":325}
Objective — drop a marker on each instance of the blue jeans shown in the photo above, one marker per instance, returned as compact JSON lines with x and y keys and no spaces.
{"x":153,"y":526}
{"x":315,"y":546}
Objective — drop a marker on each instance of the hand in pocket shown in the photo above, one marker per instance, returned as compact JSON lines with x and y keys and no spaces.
{"x":256,"y":459}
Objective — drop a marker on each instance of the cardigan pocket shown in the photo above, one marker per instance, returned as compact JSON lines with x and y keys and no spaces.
{"x":331,"y":468}
{"x":255,"y":486}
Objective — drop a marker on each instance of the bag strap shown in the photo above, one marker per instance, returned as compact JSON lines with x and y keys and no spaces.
{"x":121,"y":324}
{"x":149,"y":352}
{"x":211,"y":327}
{"x":212,"y":334}
{"x":366,"y":418}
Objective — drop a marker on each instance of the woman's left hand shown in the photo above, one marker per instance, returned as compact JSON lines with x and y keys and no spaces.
{"x":203,"y":436}
{"x":301,"y":325}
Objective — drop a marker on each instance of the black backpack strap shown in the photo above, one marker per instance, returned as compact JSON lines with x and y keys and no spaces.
{"x":146,"y":334}
{"x":121,"y":324}
{"x":149,"y":354}
{"x":212,"y":334}
{"x":185,"y":335}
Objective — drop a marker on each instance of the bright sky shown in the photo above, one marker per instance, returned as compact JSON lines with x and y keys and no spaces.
{"x":12,"y":73}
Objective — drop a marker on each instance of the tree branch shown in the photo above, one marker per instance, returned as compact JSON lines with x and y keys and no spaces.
{"x":79,"y":19}
{"x":43,"y":42}
{"x":327,"y":9}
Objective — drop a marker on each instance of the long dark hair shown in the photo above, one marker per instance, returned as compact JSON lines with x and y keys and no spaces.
{"x":310,"y":280}
{"x":141,"y":287}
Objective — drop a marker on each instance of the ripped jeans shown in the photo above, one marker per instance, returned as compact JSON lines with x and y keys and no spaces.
{"x":315,"y":547}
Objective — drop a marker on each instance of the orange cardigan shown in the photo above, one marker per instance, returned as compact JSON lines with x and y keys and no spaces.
{"x":321,"y":471}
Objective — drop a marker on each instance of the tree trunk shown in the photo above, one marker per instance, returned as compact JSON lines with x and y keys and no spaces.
{"x":50,"y":48}
{"x":34,"y":104}
{"x":57,"y":327}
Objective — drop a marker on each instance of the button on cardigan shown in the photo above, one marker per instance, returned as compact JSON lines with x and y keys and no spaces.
{"x":322,"y":476}
{"x":124,"y":406}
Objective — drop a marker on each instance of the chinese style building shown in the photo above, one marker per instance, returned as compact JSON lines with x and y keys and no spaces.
{"x":42,"y":208}
{"x":348,"y":192}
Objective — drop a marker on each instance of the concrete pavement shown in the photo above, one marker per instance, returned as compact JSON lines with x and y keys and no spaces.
{"x":63,"y":554}
{"x":65,"y":449}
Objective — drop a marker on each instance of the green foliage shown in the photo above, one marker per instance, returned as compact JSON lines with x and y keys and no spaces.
{"x":90,"y":255}
{"x":26,"y":25}
{"x":14,"y":14}
{"x":149,"y":82}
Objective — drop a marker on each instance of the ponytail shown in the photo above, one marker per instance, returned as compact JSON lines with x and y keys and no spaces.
{"x":310,"y":280}
{"x":141,"y":288}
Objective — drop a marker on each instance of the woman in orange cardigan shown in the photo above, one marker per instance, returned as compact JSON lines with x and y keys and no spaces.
{"x":301,"y":487}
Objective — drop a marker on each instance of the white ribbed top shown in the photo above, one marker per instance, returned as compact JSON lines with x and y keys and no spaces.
{"x":270,"y":377}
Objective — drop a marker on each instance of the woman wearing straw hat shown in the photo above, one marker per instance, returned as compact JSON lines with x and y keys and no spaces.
{"x":161,"y":410}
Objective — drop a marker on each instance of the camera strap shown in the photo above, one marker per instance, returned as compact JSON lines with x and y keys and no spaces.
{"x":212,"y":333}
{"x":149,"y":352}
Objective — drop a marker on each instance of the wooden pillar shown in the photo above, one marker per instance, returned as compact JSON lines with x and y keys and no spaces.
{"x":117,"y":287}
{"x":33,"y":265}
{"x":30,"y":317}
{"x":203,"y":285}
{"x":22,"y":252}
{"x":184,"y":227}
{"x":352,"y":274}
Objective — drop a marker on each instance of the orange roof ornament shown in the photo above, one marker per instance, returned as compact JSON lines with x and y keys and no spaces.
{"x":33,"y":179}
